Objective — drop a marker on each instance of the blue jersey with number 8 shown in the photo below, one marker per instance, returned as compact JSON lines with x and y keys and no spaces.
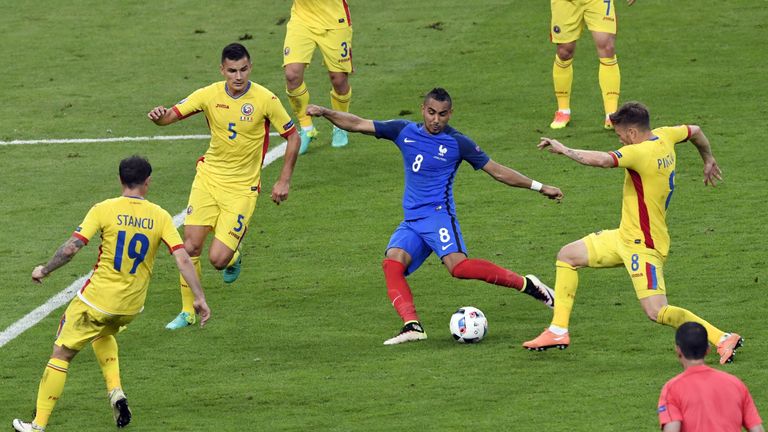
{"x":430,"y":163}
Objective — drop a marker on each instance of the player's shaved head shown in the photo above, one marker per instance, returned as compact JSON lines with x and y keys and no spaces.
{"x":439,"y":94}
{"x":234,"y":52}
{"x":632,"y":114}
{"x":134,"y":171}
{"x":691,"y":338}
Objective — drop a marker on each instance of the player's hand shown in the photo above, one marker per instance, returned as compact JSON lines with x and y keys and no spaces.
{"x":37,"y":274}
{"x":156,"y":113}
{"x":551,"y":192}
{"x":553,"y":145}
{"x":202,"y":310}
{"x":712,"y":172}
{"x":315,"y":110}
{"x":280,"y":191}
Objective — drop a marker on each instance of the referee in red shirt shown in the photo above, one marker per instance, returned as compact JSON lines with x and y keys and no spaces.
{"x":702,"y":399}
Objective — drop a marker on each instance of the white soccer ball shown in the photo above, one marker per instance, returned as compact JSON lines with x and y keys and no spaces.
{"x":468,"y":325}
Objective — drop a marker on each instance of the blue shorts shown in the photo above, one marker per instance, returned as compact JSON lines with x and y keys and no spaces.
{"x":440,"y":233}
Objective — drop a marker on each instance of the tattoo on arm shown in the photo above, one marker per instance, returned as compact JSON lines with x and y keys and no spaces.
{"x":63,"y":254}
{"x":573,"y":154}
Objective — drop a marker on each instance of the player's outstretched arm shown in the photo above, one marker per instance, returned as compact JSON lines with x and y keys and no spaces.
{"x":162,"y":116}
{"x":711,"y":170}
{"x":584,"y":157}
{"x":187,"y":270}
{"x":347,"y":121}
{"x":513,"y":178}
{"x":62,"y":256}
{"x":283,"y":184}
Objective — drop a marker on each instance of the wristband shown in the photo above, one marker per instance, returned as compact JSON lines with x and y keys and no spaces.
{"x":536,"y":185}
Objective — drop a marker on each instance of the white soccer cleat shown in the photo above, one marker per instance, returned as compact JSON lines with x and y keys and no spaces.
{"x":21,"y":426}
{"x":540,"y":291}
{"x":120,"y":410}
{"x":412,"y":331}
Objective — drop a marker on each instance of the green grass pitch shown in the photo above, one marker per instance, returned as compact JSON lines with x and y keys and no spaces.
{"x":296,"y":343}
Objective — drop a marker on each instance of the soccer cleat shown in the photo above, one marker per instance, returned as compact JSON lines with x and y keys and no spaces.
{"x":182,"y":320}
{"x":539,"y":291}
{"x":728,"y":346}
{"x":547,"y":340}
{"x":306,"y":137}
{"x":120,"y":410}
{"x":231,"y":273}
{"x":608,"y":125}
{"x":21,"y":426}
{"x":339,"y":137}
{"x":411,"y":332}
{"x":561,"y":120}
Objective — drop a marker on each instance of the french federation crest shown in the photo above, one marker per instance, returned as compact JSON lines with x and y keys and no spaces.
{"x":247,"y":109}
{"x":442,"y":150}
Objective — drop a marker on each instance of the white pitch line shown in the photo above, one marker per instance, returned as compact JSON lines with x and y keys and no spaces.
{"x":60,"y":299}
{"x":111,"y":139}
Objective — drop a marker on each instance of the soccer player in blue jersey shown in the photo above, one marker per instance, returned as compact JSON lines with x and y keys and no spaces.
{"x":432,"y":152}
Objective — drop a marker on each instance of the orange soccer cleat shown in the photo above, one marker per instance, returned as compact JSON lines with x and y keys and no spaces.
{"x":561,"y":120}
{"x":547,"y":340}
{"x":728,"y":346}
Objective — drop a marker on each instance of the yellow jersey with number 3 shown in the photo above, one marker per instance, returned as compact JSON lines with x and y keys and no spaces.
{"x":648,"y":187}
{"x":322,"y":14}
{"x":131,"y":232}
{"x":239,"y":133}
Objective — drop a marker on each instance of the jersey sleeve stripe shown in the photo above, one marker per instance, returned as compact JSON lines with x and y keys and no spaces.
{"x":346,"y":11}
{"x":288,"y":133}
{"x":642,"y":209}
{"x":615,"y":159}
{"x":689,"y":132}
{"x":182,"y":117}
{"x":80,"y":237}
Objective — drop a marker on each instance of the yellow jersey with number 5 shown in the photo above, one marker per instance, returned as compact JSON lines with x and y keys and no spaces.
{"x":239,"y":133}
{"x":132,"y":229}
{"x":322,"y":14}
{"x":649,"y":183}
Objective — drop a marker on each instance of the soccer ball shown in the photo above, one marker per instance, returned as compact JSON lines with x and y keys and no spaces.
{"x":468,"y":325}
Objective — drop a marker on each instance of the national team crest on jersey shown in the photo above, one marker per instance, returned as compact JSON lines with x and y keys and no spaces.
{"x":189,"y":210}
{"x":556,"y":29}
{"x":247,"y":109}
{"x":287,"y":51}
{"x":442,"y":150}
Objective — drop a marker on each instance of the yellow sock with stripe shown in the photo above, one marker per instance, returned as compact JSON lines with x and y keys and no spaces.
{"x":610,"y":83}
{"x":105,"y":349}
{"x":674,"y":316}
{"x":187,"y":297}
{"x":234,"y":259}
{"x":51,"y":387}
{"x":299,"y":99}
{"x":566,"y":282}
{"x":562,"y":76}
{"x":341,"y":102}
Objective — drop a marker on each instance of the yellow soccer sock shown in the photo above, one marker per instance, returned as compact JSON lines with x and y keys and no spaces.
{"x":341,"y":102}
{"x":51,"y":387}
{"x":566,"y":282}
{"x":610,"y":83}
{"x":674,"y":316}
{"x":562,"y":76}
{"x":187,"y":297}
{"x":234,"y":259}
{"x":105,"y":349}
{"x":299,"y":99}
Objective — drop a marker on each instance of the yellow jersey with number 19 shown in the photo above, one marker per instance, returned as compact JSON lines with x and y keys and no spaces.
{"x":648,"y":186}
{"x":239,"y":133}
{"x":132,"y":229}
{"x":322,"y":14}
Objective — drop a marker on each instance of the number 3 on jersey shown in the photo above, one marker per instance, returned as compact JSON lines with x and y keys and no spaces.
{"x":134,"y":253}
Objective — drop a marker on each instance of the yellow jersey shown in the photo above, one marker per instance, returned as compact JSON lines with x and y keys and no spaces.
{"x":131,"y":231}
{"x":239,"y":133}
{"x":648,"y":186}
{"x":322,"y":14}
